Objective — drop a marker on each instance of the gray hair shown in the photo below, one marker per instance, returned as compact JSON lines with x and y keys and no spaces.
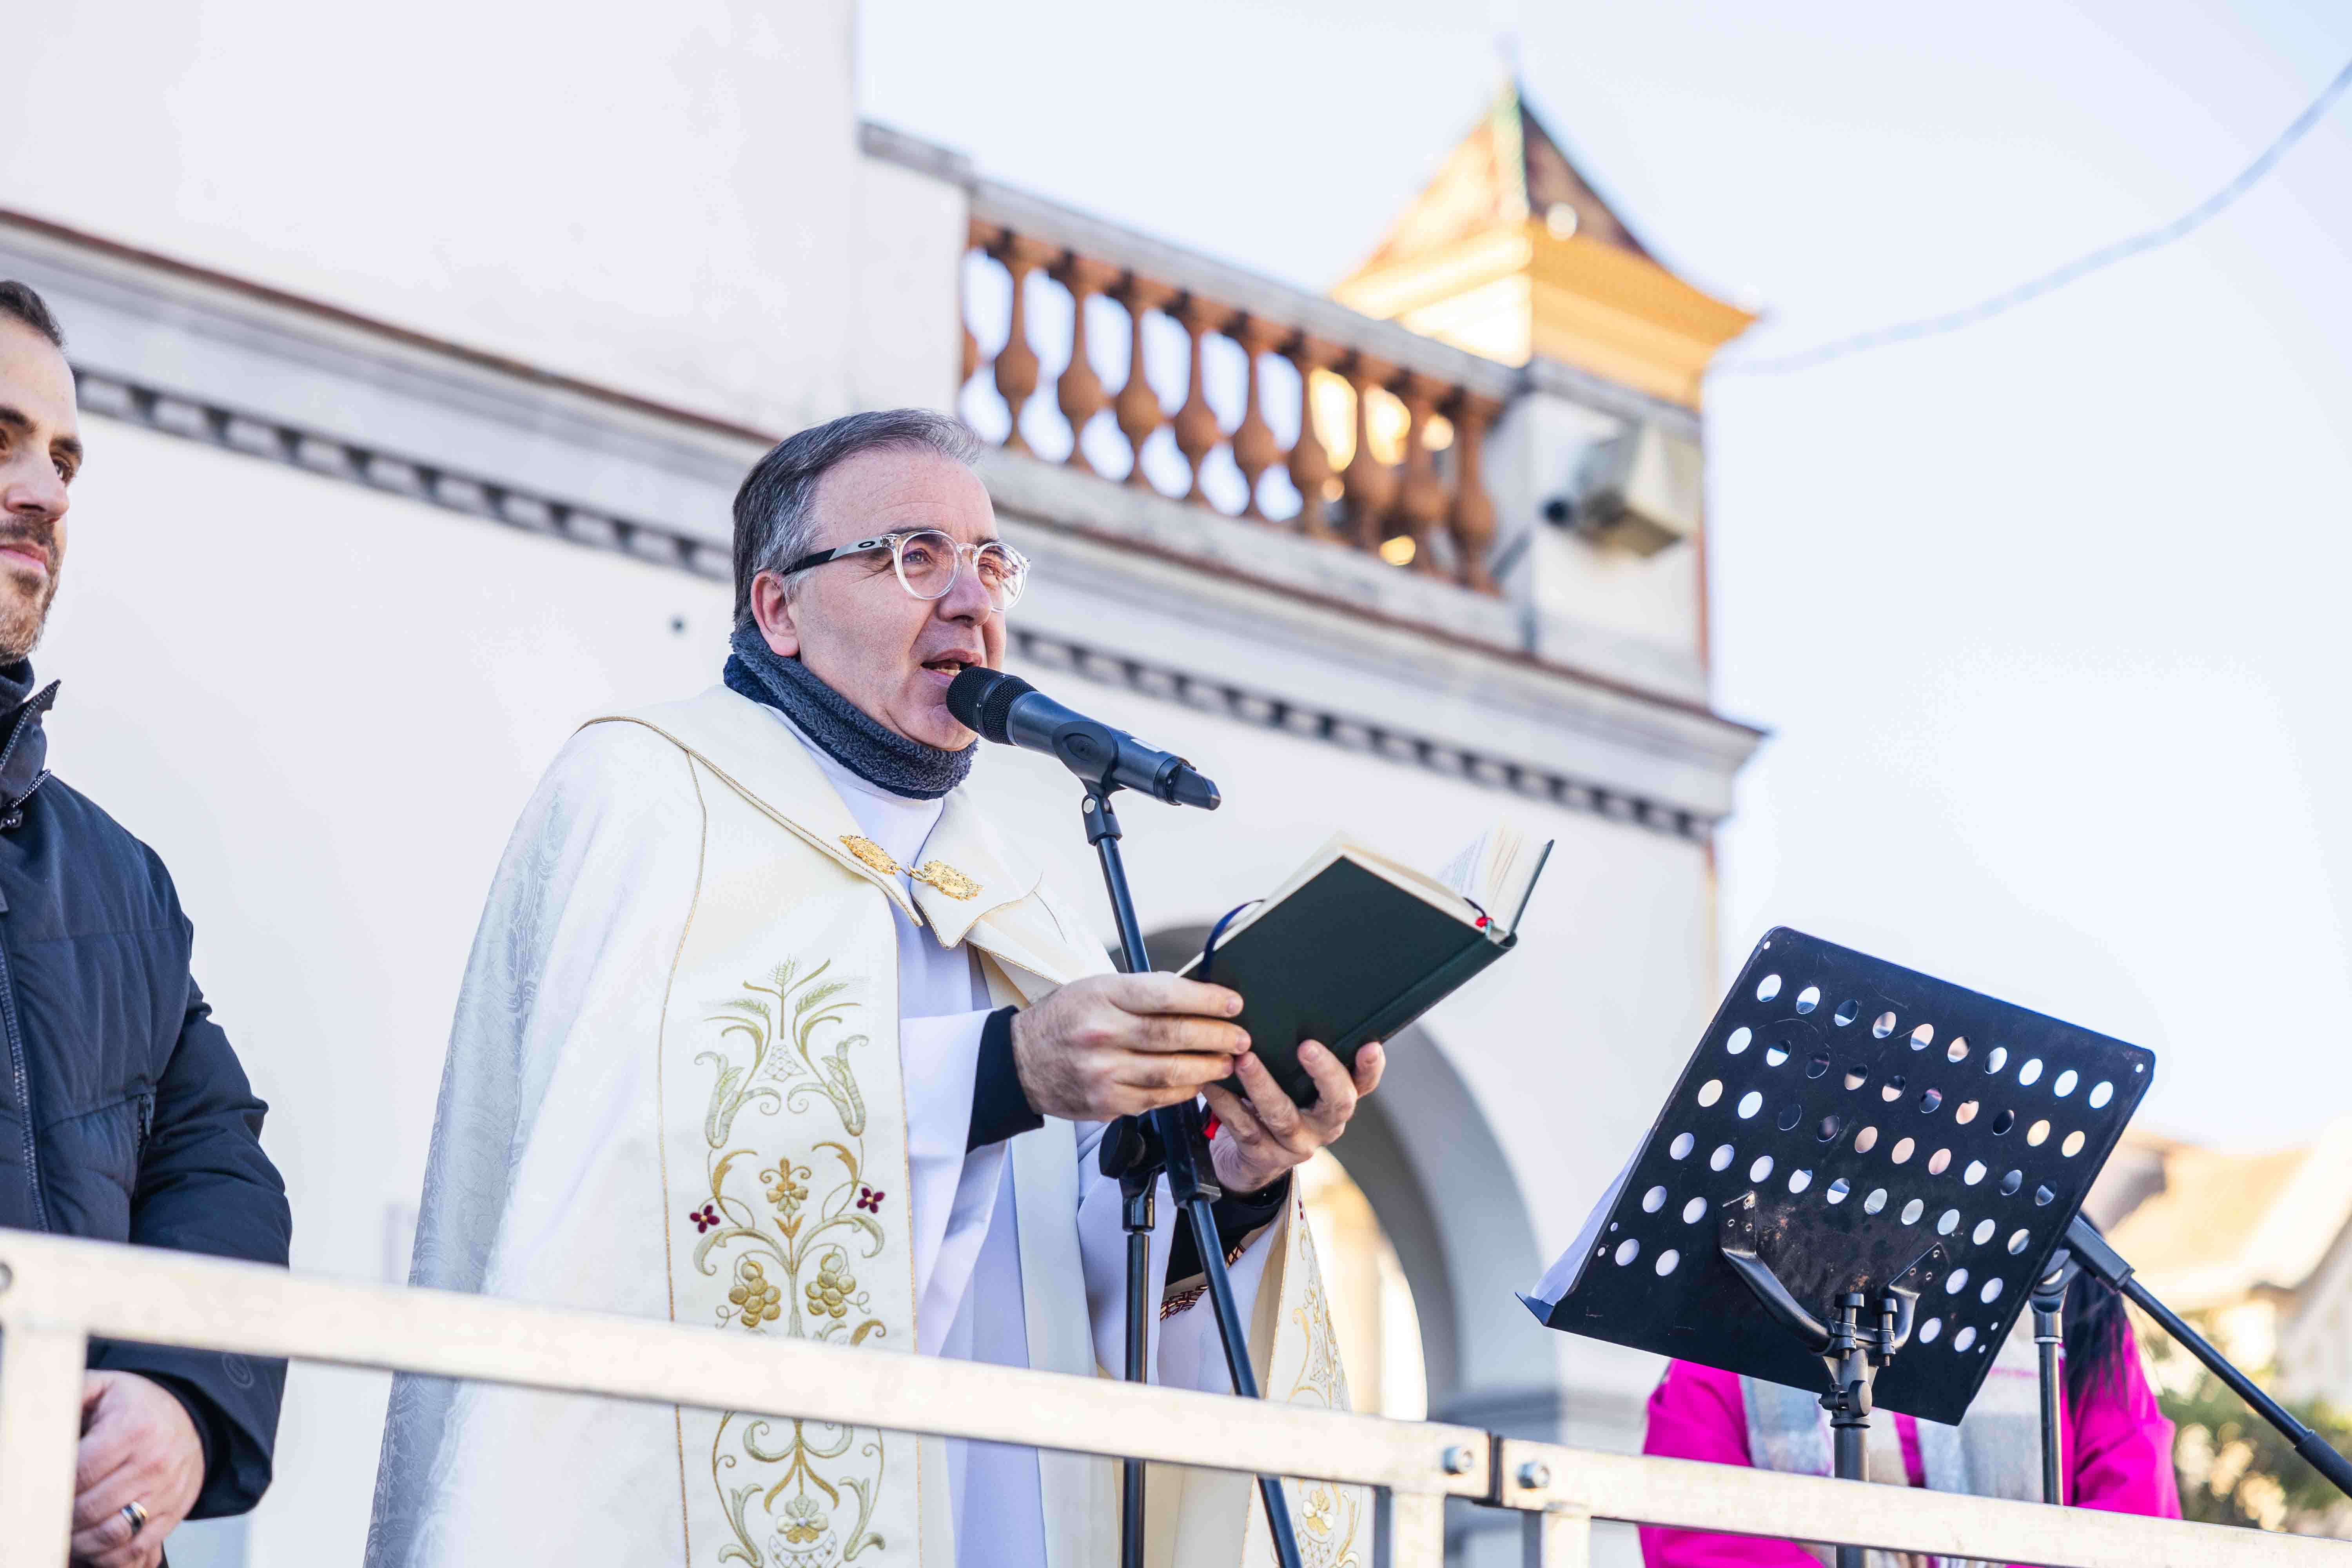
{"x":775,"y":520}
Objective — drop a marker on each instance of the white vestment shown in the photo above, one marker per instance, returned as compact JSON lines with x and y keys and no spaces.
{"x":664,"y":1096}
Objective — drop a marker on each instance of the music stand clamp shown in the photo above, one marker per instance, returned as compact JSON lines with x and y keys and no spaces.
{"x":1136,"y":1150}
{"x":1865,"y":1330}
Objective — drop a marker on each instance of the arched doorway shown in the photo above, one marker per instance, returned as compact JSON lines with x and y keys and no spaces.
{"x":1369,"y":1293}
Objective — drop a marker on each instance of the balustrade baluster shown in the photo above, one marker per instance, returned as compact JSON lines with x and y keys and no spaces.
{"x":1197,"y":432}
{"x":1079,"y":394}
{"x":1420,"y":496}
{"x":1017,"y":362}
{"x":1137,"y":407}
{"x":1310,"y":465}
{"x":1253,"y":438}
{"x":1472,"y":520}
{"x":983,"y":238}
{"x":1371,"y":484}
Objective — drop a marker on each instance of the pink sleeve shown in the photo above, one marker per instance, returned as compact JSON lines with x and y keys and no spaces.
{"x":2123,"y":1448}
{"x":1695,"y":1413}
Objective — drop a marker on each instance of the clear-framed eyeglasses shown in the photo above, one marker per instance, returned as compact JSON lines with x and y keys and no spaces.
{"x":929,"y":563}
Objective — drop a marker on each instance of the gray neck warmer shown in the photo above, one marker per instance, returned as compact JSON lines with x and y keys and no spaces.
{"x":874,"y":753}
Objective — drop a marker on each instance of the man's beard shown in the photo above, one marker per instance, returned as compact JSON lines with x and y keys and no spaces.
{"x":23,"y":619}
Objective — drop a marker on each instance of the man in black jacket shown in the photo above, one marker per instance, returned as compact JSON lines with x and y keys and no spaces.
{"x":124,"y":1113}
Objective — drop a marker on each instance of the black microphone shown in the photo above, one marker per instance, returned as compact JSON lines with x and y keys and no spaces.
{"x":1010,"y":711}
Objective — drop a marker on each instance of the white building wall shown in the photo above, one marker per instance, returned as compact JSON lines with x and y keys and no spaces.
{"x":666,"y":198}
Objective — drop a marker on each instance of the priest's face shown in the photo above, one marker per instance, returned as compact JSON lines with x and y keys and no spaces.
{"x":852,"y":623}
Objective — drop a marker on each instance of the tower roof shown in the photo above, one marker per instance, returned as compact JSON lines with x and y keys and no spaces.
{"x":1510,"y":252}
{"x":1508,"y":169}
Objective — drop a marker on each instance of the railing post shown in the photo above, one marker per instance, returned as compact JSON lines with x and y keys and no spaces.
{"x":1558,"y":1538}
{"x":1416,"y":1530}
{"x":40,"y":1425}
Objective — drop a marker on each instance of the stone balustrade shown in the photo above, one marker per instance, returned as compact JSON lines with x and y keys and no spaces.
{"x":1209,"y":384}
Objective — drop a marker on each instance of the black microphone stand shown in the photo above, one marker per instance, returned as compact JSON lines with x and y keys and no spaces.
{"x":2049,"y":1303}
{"x":2092,"y":1251}
{"x":1137,"y":1150}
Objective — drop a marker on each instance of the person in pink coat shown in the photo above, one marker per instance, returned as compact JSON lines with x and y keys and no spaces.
{"x":2115,"y":1444}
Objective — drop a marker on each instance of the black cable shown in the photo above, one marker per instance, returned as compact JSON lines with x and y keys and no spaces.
{"x":2080,"y":266}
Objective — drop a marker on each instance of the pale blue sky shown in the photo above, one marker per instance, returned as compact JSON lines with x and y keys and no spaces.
{"x":2046,"y":616}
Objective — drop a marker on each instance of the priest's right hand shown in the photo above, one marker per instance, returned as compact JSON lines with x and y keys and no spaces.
{"x":1120,"y":1045}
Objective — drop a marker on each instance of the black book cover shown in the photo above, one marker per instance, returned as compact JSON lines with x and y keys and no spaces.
{"x":1347,"y":958}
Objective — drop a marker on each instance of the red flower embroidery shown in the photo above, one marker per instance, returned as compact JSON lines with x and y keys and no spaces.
{"x":705,"y":1217}
{"x":870,"y":1200}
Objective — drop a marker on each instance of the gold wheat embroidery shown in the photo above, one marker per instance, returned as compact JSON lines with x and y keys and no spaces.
{"x":792,"y":1256}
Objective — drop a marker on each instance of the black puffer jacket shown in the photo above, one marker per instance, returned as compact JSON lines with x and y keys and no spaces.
{"x":124,"y":1112}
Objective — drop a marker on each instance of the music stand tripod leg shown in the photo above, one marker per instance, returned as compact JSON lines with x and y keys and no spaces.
{"x":1136,"y":1149}
{"x":2092,"y":1251}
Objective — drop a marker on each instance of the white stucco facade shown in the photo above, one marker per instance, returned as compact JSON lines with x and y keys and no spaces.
{"x":341,"y":584}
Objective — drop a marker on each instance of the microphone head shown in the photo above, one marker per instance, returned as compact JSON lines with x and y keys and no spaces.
{"x":1191,"y":788}
{"x":981,"y":700}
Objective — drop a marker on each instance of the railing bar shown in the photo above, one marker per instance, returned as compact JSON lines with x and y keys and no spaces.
{"x":55,"y":1291}
{"x":40,"y":1425}
{"x":1731,"y":1501}
{"x":151,"y":1296}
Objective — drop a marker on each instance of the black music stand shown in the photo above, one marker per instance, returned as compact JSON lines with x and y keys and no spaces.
{"x":1859,"y":1160}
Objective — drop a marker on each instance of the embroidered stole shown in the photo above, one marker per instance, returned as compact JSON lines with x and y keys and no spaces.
{"x":785,"y":1165}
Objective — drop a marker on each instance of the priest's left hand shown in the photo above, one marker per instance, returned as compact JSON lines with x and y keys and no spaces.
{"x":1260,"y":1139}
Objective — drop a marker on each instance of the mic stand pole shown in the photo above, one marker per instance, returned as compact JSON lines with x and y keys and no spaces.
{"x":1136,"y":1149}
{"x":2092,"y":1250}
{"x":2049,"y":1302}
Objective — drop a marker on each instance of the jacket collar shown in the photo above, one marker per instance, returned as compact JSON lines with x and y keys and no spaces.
{"x":24,"y":743}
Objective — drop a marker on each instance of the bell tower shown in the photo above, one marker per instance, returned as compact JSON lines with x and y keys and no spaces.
{"x":1511,"y":253}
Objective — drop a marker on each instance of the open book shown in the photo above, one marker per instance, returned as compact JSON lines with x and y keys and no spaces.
{"x":1355,"y":946}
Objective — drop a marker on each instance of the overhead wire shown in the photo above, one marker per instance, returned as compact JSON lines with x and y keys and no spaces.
{"x":2058,"y":277}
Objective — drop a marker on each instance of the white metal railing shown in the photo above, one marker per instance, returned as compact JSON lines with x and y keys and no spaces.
{"x":55,"y":1294}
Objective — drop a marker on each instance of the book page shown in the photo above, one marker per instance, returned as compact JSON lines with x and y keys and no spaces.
{"x":1497,"y":870}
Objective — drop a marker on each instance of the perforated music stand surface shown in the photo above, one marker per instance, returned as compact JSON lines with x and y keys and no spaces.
{"x":1874,"y":1112}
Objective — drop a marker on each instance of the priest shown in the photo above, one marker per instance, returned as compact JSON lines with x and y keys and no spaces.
{"x":766,"y":1029}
